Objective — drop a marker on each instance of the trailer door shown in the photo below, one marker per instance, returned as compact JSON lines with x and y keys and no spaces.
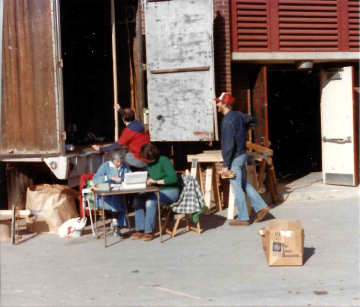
{"x":30,"y":94}
{"x":180,"y":70}
{"x":337,"y":126}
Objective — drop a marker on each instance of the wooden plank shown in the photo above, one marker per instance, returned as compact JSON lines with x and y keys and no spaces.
{"x":231,"y":205}
{"x":315,"y":44}
{"x":205,"y":158}
{"x":177,"y":70}
{"x":309,"y":38}
{"x":251,"y":172}
{"x":261,"y":172}
{"x":272,"y":174}
{"x":308,"y":20}
{"x":113,"y":42}
{"x":271,"y":186}
{"x":196,"y":172}
{"x":215,"y":187}
{"x":207,"y":195}
{"x":178,"y":218}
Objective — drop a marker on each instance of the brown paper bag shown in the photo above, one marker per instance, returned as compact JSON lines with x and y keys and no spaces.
{"x":51,"y":205}
{"x":283,"y":243}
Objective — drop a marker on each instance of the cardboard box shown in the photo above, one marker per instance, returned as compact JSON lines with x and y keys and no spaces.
{"x":283,"y":243}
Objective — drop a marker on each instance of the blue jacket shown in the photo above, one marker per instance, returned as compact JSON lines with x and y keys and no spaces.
{"x":107,"y":170}
{"x":233,"y":134}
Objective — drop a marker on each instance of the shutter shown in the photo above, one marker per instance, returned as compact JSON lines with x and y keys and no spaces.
{"x":251,"y":25}
{"x":354,"y":24}
{"x":308,"y":25}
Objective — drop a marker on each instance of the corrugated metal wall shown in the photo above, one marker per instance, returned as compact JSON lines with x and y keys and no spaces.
{"x":295,"y":25}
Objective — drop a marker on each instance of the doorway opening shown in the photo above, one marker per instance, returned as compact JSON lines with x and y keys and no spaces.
{"x":294,"y":122}
{"x":86,"y":41}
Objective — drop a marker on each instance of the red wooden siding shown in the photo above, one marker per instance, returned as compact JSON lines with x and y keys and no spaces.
{"x":295,"y":25}
{"x":354,"y":25}
{"x":251,"y":19}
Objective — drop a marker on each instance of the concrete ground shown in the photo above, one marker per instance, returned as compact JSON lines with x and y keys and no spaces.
{"x":224,"y":266}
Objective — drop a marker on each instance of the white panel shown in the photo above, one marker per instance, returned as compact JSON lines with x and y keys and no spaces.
{"x":179,"y":36}
{"x":337,"y":122}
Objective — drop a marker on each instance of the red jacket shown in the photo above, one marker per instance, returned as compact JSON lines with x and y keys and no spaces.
{"x":134,"y":136}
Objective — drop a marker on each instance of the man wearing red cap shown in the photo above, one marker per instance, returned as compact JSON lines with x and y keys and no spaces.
{"x":233,"y":147}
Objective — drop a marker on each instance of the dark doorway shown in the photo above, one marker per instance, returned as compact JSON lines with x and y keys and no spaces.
{"x":86,"y":43}
{"x":294,"y":121}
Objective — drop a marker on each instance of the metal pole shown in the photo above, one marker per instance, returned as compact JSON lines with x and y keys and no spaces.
{"x":102,"y":197}
{"x":158,"y":201}
{"x":113,"y":35}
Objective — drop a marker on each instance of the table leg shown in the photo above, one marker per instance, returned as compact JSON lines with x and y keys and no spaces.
{"x":127,"y":217}
{"x":103,"y":207}
{"x":96,"y":229}
{"x":158,"y":202}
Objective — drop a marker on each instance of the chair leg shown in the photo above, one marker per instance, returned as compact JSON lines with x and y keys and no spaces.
{"x":187,"y":221}
{"x":127,"y":216}
{"x":166,"y":221}
{"x":198,"y":227}
{"x":178,"y":218}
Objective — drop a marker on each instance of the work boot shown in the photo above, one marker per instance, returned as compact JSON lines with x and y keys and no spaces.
{"x":148,"y":237}
{"x":239,"y":223}
{"x":261,"y":214}
{"x":137,"y":235}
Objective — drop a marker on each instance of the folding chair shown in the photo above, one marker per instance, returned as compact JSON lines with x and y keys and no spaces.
{"x":85,"y":199}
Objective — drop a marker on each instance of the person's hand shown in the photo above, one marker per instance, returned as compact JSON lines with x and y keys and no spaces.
{"x":117,"y":106}
{"x":117,"y":179}
{"x":150,"y":181}
{"x":96,"y":147}
{"x":224,"y":170}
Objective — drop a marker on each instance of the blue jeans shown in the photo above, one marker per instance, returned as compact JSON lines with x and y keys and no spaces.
{"x":131,"y":160}
{"x":146,"y":221}
{"x":115,"y":203}
{"x":239,"y":185}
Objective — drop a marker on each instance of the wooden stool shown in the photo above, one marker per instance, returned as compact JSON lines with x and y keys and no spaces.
{"x":178,"y":218}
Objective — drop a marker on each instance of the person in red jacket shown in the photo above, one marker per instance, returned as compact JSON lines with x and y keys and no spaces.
{"x":134,"y":136}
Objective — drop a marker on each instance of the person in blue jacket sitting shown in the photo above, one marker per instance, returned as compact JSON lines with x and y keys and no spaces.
{"x":113,"y":171}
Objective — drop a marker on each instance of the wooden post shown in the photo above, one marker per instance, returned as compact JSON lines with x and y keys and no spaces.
{"x":215,"y":186}
{"x":113,"y":36}
{"x":132,"y":73}
{"x":262,"y":171}
{"x":196,"y":172}
{"x":207,"y":196}
{"x":138,"y":50}
{"x":231,"y":206}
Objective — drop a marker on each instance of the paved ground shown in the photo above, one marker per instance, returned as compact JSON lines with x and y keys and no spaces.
{"x":224,"y":266}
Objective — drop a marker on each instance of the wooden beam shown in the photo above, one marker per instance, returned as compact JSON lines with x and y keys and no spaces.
{"x":215,"y":186}
{"x":177,"y":70}
{"x":259,"y":148}
{"x":138,"y":44}
{"x":113,"y":36}
{"x":207,"y":195}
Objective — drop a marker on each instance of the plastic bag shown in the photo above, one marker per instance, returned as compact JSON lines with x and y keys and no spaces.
{"x":72,"y":228}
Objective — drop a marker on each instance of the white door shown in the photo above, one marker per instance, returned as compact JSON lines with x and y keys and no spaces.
{"x":180,"y":70}
{"x":337,"y":126}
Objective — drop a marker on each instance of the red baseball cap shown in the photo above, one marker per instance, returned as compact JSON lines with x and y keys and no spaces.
{"x":225,"y":97}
